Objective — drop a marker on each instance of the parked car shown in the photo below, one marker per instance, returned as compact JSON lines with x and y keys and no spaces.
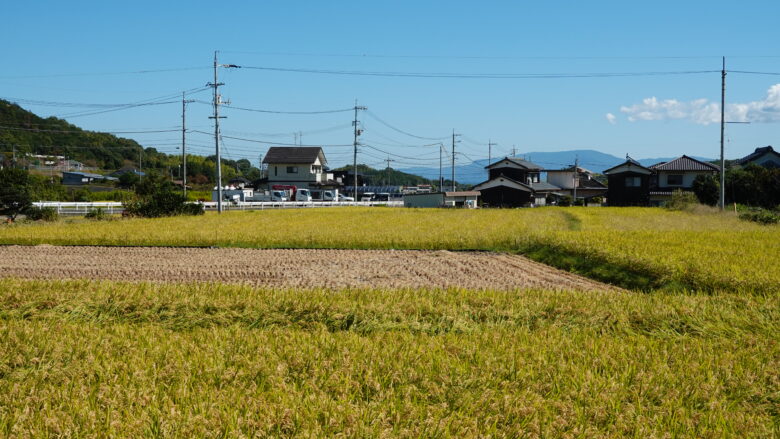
{"x":343,"y":197}
{"x":382,"y":196}
{"x":367,"y":196}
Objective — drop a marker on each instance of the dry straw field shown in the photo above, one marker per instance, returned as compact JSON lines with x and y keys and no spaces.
{"x":373,"y":342}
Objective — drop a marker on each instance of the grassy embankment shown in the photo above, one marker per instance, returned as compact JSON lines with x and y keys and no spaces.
{"x":86,"y":358}
{"x":636,"y":248}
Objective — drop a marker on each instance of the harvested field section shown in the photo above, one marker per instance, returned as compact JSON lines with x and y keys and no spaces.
{"x":290,"y":268}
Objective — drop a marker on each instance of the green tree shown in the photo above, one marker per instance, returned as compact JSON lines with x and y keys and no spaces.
{"x":157,"y":197}
{"x":14,"y":192}
{"x":707,"y":189}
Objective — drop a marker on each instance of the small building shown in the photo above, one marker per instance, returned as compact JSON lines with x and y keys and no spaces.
{"x":677,"y":174}
{"x":567,"y":179}
{"x":239,"y":182}
{"x":302,"y":167}
{"x":118,"y":173}
{"x":511,"y":184}
{"x":82,"y":178}
{"x":628,"y":184}
{"x":442,"y":199}
{"x":765,"y":156}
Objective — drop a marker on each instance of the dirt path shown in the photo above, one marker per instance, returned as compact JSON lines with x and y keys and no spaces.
{"x":289,"y":268}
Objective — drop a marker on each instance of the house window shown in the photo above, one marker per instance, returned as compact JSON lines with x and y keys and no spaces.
{"x":276,"y":170}
{"x":633,"y":181}
{"x":674,"y":179}
{"x":292,"y":169}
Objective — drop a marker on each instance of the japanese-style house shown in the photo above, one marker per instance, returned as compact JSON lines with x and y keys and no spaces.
{"x":514,"y":182}
{"x":567,"y":179}
{"x":765,"y":156}
{"x":677,"y":174}
{"x":628,"y":184}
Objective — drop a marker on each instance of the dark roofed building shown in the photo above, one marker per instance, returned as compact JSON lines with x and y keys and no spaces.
{"x":301,"y":166}
{"x":510,"y":184}
{"x":685,"y":164}
{"x":765,"y":156}
{"x":628,"y":184}
{"x":677,"y":174}
{"x":297,"y":155}
{"x":79,"y":178}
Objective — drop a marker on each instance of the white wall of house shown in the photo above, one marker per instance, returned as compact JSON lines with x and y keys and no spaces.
{"x":687,"y":178}
{"x":296,"y":172}
{"x":564,"y":180}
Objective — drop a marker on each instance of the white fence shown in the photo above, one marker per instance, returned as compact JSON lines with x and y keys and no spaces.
{"x":111,"y":207}
{"x":81,"y":208}
{"x":261,"y":205}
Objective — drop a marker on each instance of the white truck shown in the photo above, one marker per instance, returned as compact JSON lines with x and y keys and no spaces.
{"x":303,"y":195}
{"x":272,"y":196}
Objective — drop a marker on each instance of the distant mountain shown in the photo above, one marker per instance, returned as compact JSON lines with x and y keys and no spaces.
{"x":596,"y":161}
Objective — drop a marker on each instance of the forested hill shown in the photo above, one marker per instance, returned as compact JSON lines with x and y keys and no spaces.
{"x":26,"y":132}
{"x":29,"y":133}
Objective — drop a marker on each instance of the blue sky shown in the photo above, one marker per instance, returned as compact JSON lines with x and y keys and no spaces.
{"x":82,"y":52}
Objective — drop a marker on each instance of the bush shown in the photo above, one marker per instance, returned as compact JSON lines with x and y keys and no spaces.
{"x":681,"y":200}
{"x":565,"y":201}
{"x":157,"y":197}
{"x":97,"y":214}
{"x":761,"y":216}
{"x":42,"y":213}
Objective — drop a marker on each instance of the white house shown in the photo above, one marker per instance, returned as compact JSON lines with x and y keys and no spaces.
{"x":297,"y":166}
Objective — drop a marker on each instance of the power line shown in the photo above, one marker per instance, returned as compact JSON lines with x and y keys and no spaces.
{"x":754,"y":73}
{"x":83,"y":131}
{"x":378,"y":119}
{"x":483,"y":57}
{"x":481,"y":75}
{"x":131,"y":72}
{"x":257,"y":110}
{"x":268,"y":142}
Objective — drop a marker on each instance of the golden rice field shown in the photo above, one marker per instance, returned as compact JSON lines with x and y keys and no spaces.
{"x":111,"y":359}
{"x":634,"y":247}
{"x":190,"y":356}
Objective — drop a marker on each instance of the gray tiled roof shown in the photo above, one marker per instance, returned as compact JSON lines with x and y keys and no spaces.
{"x":524,"y":163}
{"x":685,"y":163}
{"x":756,"y":154}
{"x":292,"y":154}
{"x":544,"y":186}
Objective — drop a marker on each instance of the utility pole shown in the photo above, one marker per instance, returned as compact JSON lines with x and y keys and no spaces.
{"x":140,"y":163}
{"x":388,"y":160}
{"x":576,"y":166}
{"x":357,"y":132}
{"x":216,"y":118}
{"x":490,"y":151}
{"x":184,"y":103}
{"x":441,"y":179}
{"x":453,"y":158}
{"x":514,"y":151}
{"x":722,"y":202}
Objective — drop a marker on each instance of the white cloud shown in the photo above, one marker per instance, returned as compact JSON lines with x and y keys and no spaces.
{"x":611,"y":118}
{"x":705,"y":112}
